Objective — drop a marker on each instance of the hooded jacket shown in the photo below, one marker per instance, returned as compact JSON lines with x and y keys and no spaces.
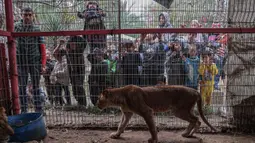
{"x":166,"y":36}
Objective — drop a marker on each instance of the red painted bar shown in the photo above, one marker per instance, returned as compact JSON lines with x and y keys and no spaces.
{"x":4,"y":84}
{"x":12,"y":57}
{"x":5,"y":33}
{"x":138,"y":31}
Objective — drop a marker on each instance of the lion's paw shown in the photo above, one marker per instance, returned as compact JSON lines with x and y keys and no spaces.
{"x":186,"y":135}
{"x":114,"y":135}
{"x":152,"y":141}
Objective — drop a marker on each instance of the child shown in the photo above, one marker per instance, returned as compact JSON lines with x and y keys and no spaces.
{"x":191,"y":65}
{"x":130,"y":63}
{"x":207,"y":70}
{"x":161,"y":80}
{"x":174,"y":64}
{"x":112,"y":61}
{"x":98,"y":75}
{"x":37,"y":100}
{"x":5,"y":128}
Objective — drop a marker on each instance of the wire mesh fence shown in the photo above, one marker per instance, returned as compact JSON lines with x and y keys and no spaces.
{"x":75,"y":77}
{"x":64,"y":81}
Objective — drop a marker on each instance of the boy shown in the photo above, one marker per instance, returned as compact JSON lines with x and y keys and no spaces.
{"x":207,"y":70}
{"x":130,"y":63}
{"x":191,"y":65}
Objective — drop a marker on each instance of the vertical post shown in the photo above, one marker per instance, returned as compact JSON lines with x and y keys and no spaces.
{"x":119,"y":24}
{"x":4,"y":83}
{"x":12,"y":57}
{"x":120,"y":77}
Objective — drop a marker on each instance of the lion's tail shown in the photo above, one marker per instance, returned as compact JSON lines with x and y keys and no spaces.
{"x":199,"y":106}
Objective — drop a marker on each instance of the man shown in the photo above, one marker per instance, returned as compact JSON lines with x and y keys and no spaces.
{"x":31,"y":58}
{"x":93,"y":16}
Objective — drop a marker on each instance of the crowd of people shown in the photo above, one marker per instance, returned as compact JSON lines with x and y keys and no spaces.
{"x":194,"y":60}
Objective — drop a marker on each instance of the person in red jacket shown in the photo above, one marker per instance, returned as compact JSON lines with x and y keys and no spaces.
{"x":31,"y":58}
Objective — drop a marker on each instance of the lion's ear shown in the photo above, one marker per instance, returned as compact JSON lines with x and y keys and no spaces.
{"x":105,"y":93}
{"x":2,"y":110}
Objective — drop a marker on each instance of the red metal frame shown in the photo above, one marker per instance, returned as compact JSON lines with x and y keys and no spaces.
{"x":12,"y":57}
{"x":138,"y":31}
{"x":5,"y":33}
{"x":4,"y":83}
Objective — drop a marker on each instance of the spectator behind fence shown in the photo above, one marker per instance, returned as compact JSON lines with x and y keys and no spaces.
{"x":222,"y":53}
{"x":76,"y":66}
{"x":207,"y":70}
{"x":191,"y":65}
{"x":218,"y":42}
{"x":153,"y":57}
{"x":174,"y":65}
{"x":60,"y":78}
{"x":98,"y":75}
{"x":31,"y":58}
{"x":197,"y":38}
{"x":93,"y":16}
{"x":50,"y":63}
{"x":164,"y":22}
{"x":112,"y":62}
{"x":39,"y":100}
{"x":131,"y":60}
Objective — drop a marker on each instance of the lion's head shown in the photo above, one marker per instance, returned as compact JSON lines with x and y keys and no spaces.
{"x":2,"y":111}
{"x":104,"y":100}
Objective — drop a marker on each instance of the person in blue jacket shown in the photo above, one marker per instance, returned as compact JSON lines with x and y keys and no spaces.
{"x":191,"y":65}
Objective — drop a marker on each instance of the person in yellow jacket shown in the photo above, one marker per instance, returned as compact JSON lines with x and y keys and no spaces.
{"x":207,"y":70}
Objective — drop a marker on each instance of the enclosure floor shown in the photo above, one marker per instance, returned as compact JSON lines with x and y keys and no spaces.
{"x":96,"y":136}
{"x":87,"y":121}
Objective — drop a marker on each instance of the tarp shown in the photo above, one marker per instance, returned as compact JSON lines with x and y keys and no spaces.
{"x":165,"y":3}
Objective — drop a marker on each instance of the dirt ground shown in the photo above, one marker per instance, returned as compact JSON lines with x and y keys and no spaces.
{"x":97,"y":136}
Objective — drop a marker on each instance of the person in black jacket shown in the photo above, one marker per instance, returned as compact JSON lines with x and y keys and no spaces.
{"x":130,"y":63}
{"x":153,"y":57}
{"x":174,"y":63}
{"x":98,"y":75}
{"x":93,"y":17}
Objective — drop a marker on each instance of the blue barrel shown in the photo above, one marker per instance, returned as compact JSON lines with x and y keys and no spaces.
{"x":27,"y":127}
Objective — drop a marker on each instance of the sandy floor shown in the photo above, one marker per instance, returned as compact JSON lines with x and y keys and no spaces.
{"x":95,"y":136}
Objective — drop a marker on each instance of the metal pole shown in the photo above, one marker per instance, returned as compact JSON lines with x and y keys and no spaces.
{"x":4,"y":84}
{"x":119,"y":24}
{"x":12,"y":57}
{"x":120,"y":77}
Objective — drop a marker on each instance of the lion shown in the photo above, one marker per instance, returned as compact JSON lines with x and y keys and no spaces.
{"x":145,"y":101}
{"x":5,"y":128}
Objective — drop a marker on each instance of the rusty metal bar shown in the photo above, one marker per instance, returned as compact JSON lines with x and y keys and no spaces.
{"x":4,"y":83}
{"x":137,"y":31}
{"x":12,"y":57}
{"x":5,"y":33}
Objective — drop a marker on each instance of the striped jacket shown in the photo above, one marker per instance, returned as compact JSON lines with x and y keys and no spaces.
{"x":28,"y":48}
